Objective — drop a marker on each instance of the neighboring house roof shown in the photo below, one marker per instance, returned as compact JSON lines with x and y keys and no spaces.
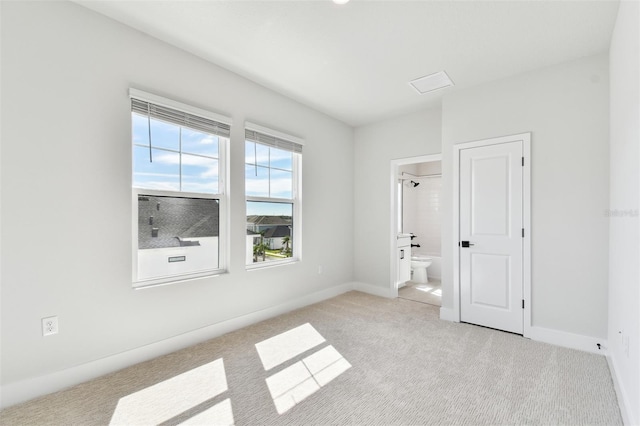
{"x":175,"y":218}
{"x":269,"y":220}
{"x":278,"y":232}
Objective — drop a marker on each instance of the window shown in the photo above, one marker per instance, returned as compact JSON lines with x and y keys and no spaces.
{"x":272,"y":188}
{"x":179,"y":190}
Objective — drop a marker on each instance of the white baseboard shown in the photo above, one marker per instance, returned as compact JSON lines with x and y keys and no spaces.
{"x":554,"y":337}
{"x":17,"y":392}
{"x":568,"y":340}
{"x":373,"y":289}
{"x":447,"y":314}
{"x":623,"y":397}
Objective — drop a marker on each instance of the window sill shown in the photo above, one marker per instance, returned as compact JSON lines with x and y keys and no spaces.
{"x":271,"y":264}
{"x":177,"y":279}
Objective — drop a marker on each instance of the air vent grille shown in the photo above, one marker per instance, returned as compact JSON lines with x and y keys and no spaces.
{"x":431,"y":82}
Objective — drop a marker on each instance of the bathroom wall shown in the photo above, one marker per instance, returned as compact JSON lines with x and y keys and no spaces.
{"x":421,"y":207}
{"x":435,"y":270}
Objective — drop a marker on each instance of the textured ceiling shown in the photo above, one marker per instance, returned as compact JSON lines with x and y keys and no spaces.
{"x":354,"y":62}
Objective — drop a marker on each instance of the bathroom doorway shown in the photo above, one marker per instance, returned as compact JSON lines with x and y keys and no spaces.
{"x":417,"y":189}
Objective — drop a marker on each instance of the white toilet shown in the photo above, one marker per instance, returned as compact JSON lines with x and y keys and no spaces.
{"x":419,"y":265}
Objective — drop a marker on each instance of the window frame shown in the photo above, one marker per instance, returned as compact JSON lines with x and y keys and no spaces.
{"x":295,"y":200}
{"x":222,"y":195}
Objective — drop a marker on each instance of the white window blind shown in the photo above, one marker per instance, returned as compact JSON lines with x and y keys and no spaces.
{"x":180,"y":118}
{"x":272,"y":141}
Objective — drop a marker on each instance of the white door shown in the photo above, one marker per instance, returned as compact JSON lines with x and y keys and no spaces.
{"x":491,"y":236}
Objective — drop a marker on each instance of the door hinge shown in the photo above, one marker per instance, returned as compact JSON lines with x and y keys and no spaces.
{"x":522,"y":161}
{"x":522,"y":232}
{"x":522,"y":303}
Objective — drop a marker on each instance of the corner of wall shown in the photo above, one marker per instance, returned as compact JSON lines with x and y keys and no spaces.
{"x":623,"y":397}
{"x":448,"y":314}
{"x":568,"y":340}
{"x":373,"y":289}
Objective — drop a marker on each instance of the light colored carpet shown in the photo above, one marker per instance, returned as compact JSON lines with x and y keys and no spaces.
{"x":353,"y":359}
{"x":430,"y":292}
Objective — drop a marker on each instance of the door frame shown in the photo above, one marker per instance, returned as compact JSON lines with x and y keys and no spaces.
{"x":395,"y":166}
{"x":526,"y":220}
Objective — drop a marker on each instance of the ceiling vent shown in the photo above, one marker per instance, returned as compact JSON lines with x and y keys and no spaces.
{"x":431,"y":82}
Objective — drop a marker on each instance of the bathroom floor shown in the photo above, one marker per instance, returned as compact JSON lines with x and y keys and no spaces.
{"x":429,"y":293}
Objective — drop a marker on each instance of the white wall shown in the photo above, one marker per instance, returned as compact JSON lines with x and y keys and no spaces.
{"x":421,"y":211}
{"x":566,"y":109}
{"x":375,"y":146}
{"x":435,"y":270}
{"x":624,"y":238}
{"x":66,"y":191}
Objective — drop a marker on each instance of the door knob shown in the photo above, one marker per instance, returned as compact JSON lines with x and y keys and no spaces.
{"x":465,"y":244}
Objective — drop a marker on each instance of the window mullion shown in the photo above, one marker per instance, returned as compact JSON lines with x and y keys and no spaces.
{"x":157,"y":148}
{"x":269,"y":162}
{"x":270,"y":199}
{"x":294,"y":174}
{"x":149,"y":127}
{"x":180,"y":157}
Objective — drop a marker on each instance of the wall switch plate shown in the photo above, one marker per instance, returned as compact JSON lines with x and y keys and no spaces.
{"x":49,"y":326}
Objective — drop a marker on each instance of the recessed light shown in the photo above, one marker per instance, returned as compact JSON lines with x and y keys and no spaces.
{"x":341,"y":1}
{"x":431,"y":82}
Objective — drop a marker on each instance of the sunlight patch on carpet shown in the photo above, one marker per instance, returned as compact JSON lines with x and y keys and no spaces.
{"x":220,"y":414}
{"x":170,"y":398}
{"x":285,"y":346}
{"x":298,"y":381}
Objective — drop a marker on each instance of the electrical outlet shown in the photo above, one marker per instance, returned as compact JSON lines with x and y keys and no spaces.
{"x":319,"y":269}
{"x":49,"y":326}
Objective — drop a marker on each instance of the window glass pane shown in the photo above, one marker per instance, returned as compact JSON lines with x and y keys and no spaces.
{"x":199,"y":174}
{"x":163,"y":173}
{"x":164,"y":135}
{"x":255,"y":153}
{"x":249,"y":153}
{"x":194,"y":142}
{"x":281,"y":159}
{"x":139,"y":129}
{"x":269,"y":231}
{"x":281,"y":184}
{"x":177,"y":235}
{"x":256,"y":180}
